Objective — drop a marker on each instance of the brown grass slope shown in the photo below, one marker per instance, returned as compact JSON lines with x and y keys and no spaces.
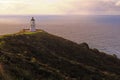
{"x":43,"y":56}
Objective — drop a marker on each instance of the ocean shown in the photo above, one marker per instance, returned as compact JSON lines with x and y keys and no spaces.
{"x":99,"y":31}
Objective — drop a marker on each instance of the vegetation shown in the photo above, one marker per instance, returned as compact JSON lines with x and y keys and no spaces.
{"x":42,"y":56}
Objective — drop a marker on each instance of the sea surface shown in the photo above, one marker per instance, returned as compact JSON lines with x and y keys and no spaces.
{"x":101,"y":31}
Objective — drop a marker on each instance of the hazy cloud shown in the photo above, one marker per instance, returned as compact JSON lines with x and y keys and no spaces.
{"x":95,"y":7}
{"x":118,"y":3}
{"x":60,"y":7}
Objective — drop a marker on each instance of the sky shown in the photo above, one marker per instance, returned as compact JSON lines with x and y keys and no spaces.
{"x":59,"y":7}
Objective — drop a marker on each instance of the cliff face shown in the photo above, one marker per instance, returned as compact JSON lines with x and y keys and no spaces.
{"x":42,"y":56}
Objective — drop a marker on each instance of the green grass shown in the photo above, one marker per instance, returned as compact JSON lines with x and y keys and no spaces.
{"x":30,"y":33}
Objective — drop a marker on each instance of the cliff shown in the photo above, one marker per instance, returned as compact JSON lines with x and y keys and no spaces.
{"x":43,"y":56}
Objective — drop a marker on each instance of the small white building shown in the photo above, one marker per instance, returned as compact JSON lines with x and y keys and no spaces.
{"x":32,"y":25}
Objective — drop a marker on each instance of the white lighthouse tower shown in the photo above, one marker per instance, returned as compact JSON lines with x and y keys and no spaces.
{"x":32,"y":25}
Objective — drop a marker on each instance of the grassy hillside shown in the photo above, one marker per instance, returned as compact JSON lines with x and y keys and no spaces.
{"x":43,"y":56}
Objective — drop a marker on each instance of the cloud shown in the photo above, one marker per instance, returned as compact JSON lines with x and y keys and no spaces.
{"x":117,"y":3}
{"x":95,"y":7}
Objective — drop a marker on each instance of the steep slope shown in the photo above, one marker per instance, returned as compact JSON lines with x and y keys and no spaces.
{"x":43,"y":56}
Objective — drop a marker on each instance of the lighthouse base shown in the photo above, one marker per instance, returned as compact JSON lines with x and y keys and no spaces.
{"x":29,"y":30}
{"x":32,"y":29}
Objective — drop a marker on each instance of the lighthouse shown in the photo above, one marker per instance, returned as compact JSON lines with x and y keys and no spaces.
{"x":32,"y":25}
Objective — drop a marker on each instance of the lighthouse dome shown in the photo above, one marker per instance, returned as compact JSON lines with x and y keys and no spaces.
{"x":32,"y":19}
